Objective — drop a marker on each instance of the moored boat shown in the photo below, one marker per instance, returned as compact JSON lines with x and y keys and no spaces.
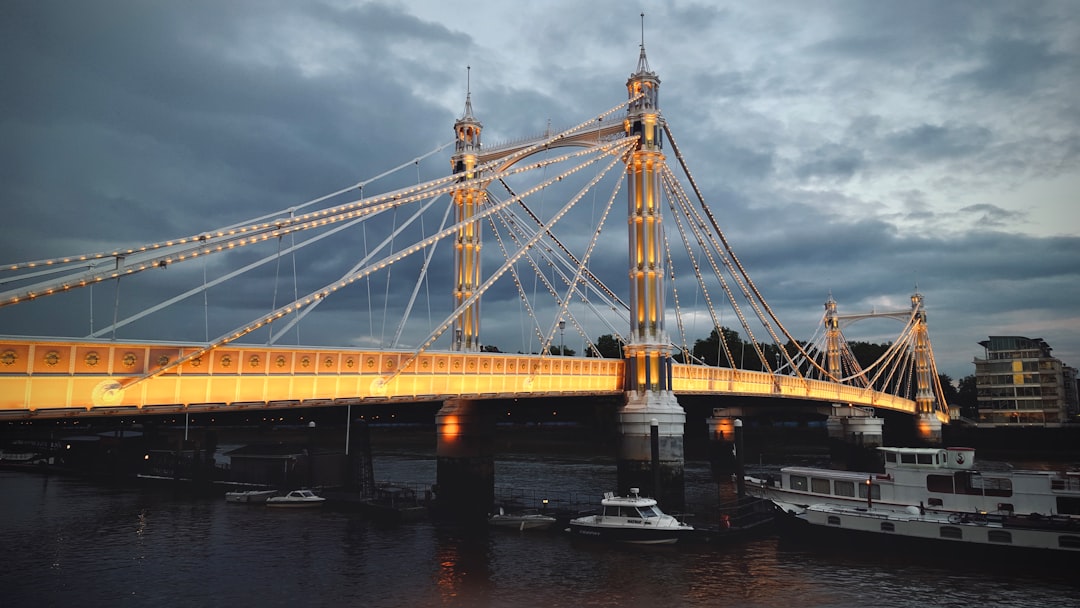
{"x":296,"y":498}
{"x":982,"y":535}
{"x":630,"y":519}
{"x":521,"y":520}
{"x":394,"y":503}
{"x":249,"y":496}
{"x":942,"y":479}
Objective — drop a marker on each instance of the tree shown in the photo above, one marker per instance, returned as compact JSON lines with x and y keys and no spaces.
{"x":609,"y":347}
{"x":967,"y":398}
{"x":709,"y":351}
{"x":948,"y":390}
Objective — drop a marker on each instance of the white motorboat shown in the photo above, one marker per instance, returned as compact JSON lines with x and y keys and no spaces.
{"x":296,"y":498}
{"x":985,"y":535}
{"x":524,"y":520}
{"x":249,"y":496}
{"x":630,"y":519}
{"x":942,"y":479}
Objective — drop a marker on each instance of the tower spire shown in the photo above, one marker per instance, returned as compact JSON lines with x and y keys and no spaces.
{"x":643,"y":62}
{"x":468,"y":94}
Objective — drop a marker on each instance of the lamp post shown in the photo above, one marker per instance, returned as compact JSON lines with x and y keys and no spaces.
{"x":562,"y":327}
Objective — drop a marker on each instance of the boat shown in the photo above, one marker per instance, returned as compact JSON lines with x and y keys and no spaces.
{"x":296,"y":498}
{"x":981,"y":535}
{"x":394,"y":503}
{"x":942,"y":479}
{"x":521,"y":520}
{"x":249,"y":496}
{"x":630,"y":519}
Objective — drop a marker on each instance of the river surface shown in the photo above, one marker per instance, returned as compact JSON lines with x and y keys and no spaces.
{"x":68,"y":541}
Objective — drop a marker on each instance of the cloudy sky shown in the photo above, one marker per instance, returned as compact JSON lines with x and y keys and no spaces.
{"x":848,"y":148}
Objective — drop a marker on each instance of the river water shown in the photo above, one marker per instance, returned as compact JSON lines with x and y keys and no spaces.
{"x":68,"y":541}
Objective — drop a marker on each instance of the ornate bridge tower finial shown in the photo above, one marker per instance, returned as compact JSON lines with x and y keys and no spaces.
{"x":468,"y":199}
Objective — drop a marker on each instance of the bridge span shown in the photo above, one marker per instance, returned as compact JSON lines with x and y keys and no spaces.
{"x":68,"y":378}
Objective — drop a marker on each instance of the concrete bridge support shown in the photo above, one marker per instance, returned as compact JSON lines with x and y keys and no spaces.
{"x":722,"y":441}
{"x":928,"y":429}
{"x":635,"y":461}
{"x":465,"y":460}
{"x":854,"y":436}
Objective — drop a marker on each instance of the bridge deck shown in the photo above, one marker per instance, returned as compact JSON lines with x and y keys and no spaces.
{"x":55,"y":378}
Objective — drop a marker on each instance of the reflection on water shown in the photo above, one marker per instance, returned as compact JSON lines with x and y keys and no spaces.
{"x":72,"y":542}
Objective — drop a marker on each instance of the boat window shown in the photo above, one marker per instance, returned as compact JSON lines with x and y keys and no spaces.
{"x":834,"y":520}
{"x":999,"y":536}
{"x":887,"y":526}
{"x":844,"y":488}
{"x":875,"y":491}
{"x":611,"y":511}
{"x":890,"y":457}
{"x":907,"y":458}
{"x":798,"y":482}
{"x":1069,"y":542}
{"x":1068,"y":505}
{"x":973,"y":483}
{"x":942,"y":484}
{"x":925,"y":458}
{"x":951,"y":532}
{"x":819,"y":485}
{"x":648,"y":512}
{"x":934,"y":502}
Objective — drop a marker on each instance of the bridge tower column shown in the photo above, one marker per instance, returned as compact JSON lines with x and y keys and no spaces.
{"x":832,"y":339}
{"x":468,"y":199}
{"x":928,"y":427}
{"x":465,"y":459}
{"x":854,"y":432}
{"x":649,"y":394}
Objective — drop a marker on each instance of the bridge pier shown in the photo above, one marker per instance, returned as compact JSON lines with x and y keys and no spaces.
{"x":854,"y":436}
{"x":722,"y":441}
{"x":635,"y":460}
{"x":465,"y":460}
{"x":928,"y":429}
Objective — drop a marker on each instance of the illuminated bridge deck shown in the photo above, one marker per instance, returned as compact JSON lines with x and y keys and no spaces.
{"x":72,"y":378}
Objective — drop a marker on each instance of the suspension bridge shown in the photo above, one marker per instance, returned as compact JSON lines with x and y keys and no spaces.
{"x":516,"y":226}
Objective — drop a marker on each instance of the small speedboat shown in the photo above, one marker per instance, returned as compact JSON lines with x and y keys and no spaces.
{"x":249,"y":496}
{"x":525,"y":520}
{"x":630,"y":519}
{"x":296,"y":498}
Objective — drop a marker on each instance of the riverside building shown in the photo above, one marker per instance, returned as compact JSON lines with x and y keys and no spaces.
{"x":1021,"y":384}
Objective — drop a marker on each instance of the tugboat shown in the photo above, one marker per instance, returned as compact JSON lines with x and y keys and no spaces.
{"x":630,"y":519}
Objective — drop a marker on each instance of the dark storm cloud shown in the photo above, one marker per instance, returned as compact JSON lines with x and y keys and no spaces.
{"x":851,"y":148}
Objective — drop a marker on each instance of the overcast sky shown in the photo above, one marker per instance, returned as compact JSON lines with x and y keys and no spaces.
{"x":847,"y":148}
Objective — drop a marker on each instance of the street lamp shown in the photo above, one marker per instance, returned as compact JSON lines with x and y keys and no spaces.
{"x":562,"y":327}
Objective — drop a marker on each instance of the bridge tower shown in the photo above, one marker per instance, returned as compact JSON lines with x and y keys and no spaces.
{"x":928,"y":426}
{"x":465,"y":460}
{"x":649,"y":396}
{"x":855,"y":433}
{"x":468,"y":199}
{"x":832,"y":339}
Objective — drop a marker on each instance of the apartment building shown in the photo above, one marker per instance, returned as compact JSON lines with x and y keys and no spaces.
{"x":1020,"y":383}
